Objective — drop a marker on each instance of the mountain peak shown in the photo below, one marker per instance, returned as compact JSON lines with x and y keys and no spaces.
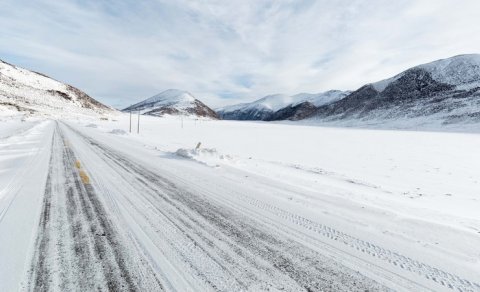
{"x":169,"y":96}
{"x":462,"y":71}
{"x":173,"y":102}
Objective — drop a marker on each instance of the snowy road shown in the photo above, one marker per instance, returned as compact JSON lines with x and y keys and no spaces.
{"x":78,"y":247}
{"x":113,"y":221}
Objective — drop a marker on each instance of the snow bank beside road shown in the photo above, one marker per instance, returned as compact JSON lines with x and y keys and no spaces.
{"x":23,"y":171}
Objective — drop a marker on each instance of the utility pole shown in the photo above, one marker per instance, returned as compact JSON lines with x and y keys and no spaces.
{"x":138,"y":125}
{"x":130,"y":122}
{"x":182,"y":121}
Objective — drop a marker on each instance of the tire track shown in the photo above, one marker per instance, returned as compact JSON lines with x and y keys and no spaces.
{"x":443,"y":278}
{"x":89,"y":253}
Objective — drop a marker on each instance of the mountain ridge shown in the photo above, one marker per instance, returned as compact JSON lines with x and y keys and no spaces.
{"x":266,"y":107}
{"x":444,"y":91}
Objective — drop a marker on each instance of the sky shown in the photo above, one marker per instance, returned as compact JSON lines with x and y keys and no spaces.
{"x":227,"y":52}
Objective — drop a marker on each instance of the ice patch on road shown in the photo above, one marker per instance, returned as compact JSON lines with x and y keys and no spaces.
{"x":208,"y":156}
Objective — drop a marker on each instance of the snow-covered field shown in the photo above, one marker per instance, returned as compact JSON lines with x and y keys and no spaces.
{"x":398,"y":207}
{"x":425,"y":171}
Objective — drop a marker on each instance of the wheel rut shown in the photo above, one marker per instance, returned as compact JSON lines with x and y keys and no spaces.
{"x":78,"y":247}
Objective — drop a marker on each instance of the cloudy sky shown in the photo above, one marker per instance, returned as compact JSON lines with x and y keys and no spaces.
{"x":226,"y":52}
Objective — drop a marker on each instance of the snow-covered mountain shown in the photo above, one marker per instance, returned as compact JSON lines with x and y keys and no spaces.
{"x":306,"y":104}
{"x":267,"y":107}
{"x":444,"y":91}
{"x":173,"y":102}
{"x":32,"y":92}
{"x":258,"y":110}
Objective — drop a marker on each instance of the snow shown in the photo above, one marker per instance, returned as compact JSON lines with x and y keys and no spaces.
{"x":30,"y":78}
{"x":410,"y":197}
{"x":14,"y":124}
{"x":23,"y":170}
{"x":415,"y":191}
{"x":114,"y":131}
{"x":382,"y":153}
{"x":208,"y":156}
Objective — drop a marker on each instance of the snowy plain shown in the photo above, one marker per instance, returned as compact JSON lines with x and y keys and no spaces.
{"x":419,"y":168}
{"x":385,"y":203}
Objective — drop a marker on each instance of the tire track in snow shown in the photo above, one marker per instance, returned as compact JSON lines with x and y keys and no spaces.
{"x":78,"y":247}
{"x":446,"y":280}
{"x":443,"y":278}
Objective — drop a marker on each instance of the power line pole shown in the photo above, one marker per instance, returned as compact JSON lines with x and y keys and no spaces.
{"x":138,"y":125}
{"x":130,"y":122}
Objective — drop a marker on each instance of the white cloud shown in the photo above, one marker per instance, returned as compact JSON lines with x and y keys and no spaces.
{"x":124,"y":51}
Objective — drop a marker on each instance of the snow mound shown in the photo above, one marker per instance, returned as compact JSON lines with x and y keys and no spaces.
{"x":208,"y":156}
{"x":91,"y":126}
{"x":118,"y":132}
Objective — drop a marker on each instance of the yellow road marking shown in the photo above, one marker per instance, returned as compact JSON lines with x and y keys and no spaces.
{"x":83,"y":174}
{"x":84,"y":177}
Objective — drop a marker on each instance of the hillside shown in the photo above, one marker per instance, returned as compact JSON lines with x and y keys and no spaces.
{"x":34,"y":93}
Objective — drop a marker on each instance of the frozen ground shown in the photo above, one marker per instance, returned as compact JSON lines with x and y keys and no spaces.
{"x":257,"y":206}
